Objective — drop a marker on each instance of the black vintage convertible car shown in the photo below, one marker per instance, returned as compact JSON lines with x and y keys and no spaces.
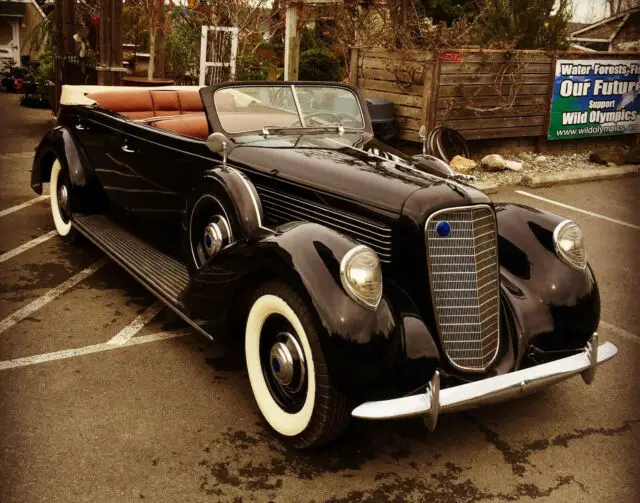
{"x":364,"y":282}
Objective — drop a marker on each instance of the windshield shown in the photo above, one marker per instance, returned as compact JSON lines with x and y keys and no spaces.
{"x":246,"y":108}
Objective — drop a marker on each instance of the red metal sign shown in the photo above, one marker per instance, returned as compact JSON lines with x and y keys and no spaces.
{"x":451,"y":57}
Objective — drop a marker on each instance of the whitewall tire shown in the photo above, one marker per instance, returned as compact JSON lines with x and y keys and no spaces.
{"x":58,"y":190}
{"x":287,"y":371}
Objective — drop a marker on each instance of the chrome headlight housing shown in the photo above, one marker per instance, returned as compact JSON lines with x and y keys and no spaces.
{"x":361,"y":276}
{"x":568,"y":243}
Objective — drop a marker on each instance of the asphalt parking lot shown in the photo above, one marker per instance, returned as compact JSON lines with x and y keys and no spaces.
{"x":106,"y":396}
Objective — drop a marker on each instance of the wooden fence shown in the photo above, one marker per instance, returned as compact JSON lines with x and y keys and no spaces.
{"x":483,"y":94}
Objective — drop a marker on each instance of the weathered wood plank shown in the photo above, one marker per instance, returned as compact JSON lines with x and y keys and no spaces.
{"x":405,"y":111}
{"x":411,"y":55}
{"x":475,"y":90}
{"x":367,"y":62}
{"x":403,"y":75}
{"x":491,"y":123}
{"x":407,"y":123}
{"x":490,"y":57}
{"x":395,"y":98}
{"x":474,"y":68}
{"x":514,"y":111}
{"x":494,"y":78}
{"x":491,"y":101}
{"x":392,"y":87}
{"x":516,"y":132}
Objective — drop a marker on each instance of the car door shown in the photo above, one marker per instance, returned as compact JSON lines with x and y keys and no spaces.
{"x":166,"y":168}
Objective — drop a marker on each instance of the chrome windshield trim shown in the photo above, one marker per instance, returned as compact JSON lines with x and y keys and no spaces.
{"x":490,"y":390}
{"x":298,"y":108}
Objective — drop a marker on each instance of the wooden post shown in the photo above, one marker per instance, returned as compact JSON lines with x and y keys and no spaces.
{"x":353,"y":66}
{"x":110,"y":67}
{"x":68,"y":18}
{"x":430,"y":91}
{"x":291,"y":44}
{"x":541,"y":141}
{"x":160,"y":44}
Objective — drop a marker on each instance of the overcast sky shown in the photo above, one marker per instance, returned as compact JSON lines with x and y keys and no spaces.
{"x":589,"y":11}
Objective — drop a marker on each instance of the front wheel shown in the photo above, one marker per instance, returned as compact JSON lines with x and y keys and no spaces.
{"x":287,"y":370}
{"x":60,"y":202}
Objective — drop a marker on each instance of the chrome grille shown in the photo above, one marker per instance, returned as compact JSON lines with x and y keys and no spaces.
{"x":463,"y":271}
{"x":280,"y":208}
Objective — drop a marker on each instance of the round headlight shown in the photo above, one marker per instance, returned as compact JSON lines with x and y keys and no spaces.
{"x":361,"y":276}
{"x":567,"y":239}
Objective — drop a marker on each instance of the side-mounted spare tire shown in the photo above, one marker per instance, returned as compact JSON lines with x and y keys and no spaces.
{"x":224,"y":208}
{"x":287,"y":369}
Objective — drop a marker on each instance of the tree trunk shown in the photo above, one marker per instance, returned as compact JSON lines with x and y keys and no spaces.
{"x":159,"y":69}
{"x":152,"y":51}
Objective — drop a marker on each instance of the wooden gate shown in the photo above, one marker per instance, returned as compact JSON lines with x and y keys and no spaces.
{"x":218,"y":49}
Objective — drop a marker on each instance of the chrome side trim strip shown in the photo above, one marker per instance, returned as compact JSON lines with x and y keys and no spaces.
{"x":491,"y":390}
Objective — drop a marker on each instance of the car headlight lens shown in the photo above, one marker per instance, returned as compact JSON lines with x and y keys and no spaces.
{"x":567,"y":239}
{"x":361,"y":276}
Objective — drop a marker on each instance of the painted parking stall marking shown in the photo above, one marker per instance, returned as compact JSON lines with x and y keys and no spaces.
{"x":21,"y":206}
{"x":27,"y":246}
{"x":579,"y":210}
{"x":95,"y":348}
{"x":136,"y":325}
{"x":52,"y":294}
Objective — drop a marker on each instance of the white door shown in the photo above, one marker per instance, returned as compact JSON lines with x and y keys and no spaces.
{"x":218,"y":48}
{"x":10,"y":38}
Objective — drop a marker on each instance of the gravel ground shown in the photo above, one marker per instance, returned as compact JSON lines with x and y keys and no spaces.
{"x":540,"y":164}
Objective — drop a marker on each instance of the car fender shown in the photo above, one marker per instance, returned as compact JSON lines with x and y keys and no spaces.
{"x":59,"y":143}
{"x":552,"y":305}
{"x":360,"y":345}
{"x":243,"y":195}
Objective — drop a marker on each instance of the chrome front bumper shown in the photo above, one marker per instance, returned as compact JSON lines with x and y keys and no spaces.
{"x":493,"y":389}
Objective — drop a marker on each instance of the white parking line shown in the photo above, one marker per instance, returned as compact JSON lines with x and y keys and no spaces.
{"x":23,"y":205}
{"x":621,"y":332}
{"x":573,"y":208}
{"x":96,"y":348}
{"x":52,"y":294}
{"x":137,"y":324}
{"x":27,"y":246}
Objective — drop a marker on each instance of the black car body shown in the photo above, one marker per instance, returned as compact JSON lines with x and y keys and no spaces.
{"x":472,"y":291}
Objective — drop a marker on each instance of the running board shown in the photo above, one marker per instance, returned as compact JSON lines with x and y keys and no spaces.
{"x":161,"y":274}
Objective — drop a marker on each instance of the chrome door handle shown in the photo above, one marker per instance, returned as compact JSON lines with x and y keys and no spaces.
{"x":125,"y":148}
{"x":80,"y":127}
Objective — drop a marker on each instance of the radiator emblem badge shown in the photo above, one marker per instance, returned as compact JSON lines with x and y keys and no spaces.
{"x":443,"y":228}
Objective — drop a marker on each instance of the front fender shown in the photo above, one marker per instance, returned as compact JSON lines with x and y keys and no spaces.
{"x":360,"y":345}
{"x":553,"y":305}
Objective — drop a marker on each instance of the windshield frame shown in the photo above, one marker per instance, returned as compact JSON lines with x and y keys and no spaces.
{"x":208,"y":99}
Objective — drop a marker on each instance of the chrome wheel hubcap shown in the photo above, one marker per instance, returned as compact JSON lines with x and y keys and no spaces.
{"x":63,"y":198}
{"x":217,"y":235}
{"x":287,"y":363}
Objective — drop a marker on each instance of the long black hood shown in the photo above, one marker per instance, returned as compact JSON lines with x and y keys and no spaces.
{"x":351,"y":166}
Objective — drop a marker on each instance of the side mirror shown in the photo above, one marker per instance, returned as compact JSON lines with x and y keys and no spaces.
{"x":218,"y":143}
{"x":422,"y":133}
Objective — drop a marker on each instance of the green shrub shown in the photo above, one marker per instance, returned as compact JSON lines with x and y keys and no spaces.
{"x":320,"y":64}
{"x":252,"y":67}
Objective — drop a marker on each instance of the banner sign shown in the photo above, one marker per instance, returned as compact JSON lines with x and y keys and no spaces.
{"x":595,"y":97}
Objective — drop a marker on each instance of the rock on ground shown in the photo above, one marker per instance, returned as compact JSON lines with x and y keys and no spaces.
{"x":513,"y":165}
{"x":493,"y":162}
{"x":605,"y":155}
{"x":463,"y":165}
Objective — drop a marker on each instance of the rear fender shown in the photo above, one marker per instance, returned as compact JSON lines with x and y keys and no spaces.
{"x":360,"y":345}
{"x":58,"y":143}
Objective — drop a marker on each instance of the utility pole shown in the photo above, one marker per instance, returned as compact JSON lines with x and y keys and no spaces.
{"x":110,"y":66}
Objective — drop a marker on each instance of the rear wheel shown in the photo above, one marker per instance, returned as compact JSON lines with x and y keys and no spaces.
{"x":287,"y":370}
{"x":60,"y":195}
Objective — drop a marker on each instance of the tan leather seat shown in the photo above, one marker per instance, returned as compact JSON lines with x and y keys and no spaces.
{"x":143,"y":104}
{"x":165,"y":103}
{"x":196,"y":126}
{"x":134,"y":104}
